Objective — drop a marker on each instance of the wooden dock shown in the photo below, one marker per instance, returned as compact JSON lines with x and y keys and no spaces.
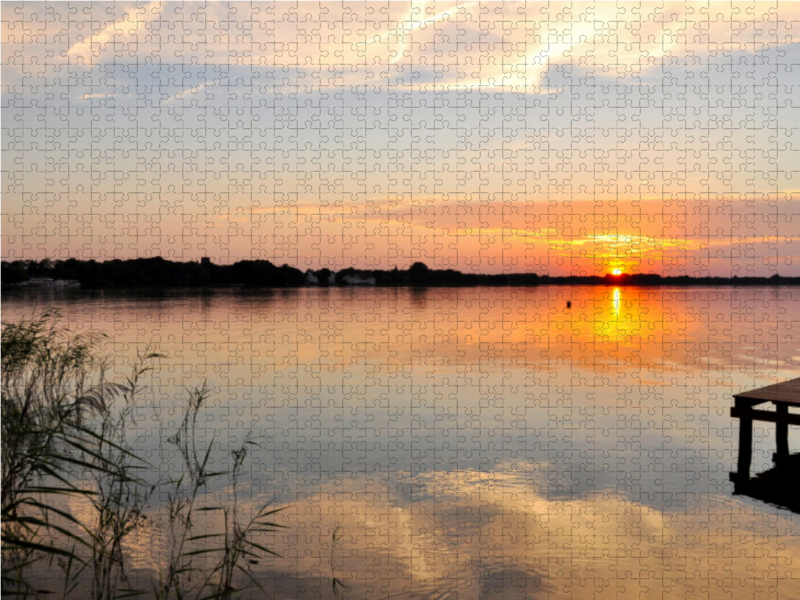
{"x":783,"y":395}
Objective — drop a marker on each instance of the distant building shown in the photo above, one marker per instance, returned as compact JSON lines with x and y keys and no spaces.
{"x":312,"y":278}
{"x":49,"y":282}
{"x":358,"y":280}
{"x":205,"y":261}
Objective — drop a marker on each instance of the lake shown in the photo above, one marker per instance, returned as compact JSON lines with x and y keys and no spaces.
{"x":475,"y":442}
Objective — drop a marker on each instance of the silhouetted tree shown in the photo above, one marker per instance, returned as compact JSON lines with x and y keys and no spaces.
{"x":14,"y":272}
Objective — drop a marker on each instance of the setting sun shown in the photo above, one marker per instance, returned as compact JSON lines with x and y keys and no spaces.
{"x":616,"y":272}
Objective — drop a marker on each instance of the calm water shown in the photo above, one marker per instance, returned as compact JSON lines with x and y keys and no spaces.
{"x":483,"y":442}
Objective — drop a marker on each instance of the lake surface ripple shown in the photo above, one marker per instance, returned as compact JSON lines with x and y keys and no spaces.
{"x":476,"y":442}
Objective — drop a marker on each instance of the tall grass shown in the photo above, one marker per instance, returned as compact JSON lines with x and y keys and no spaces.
{"x":64,"y":439}
{"x":48,"y":392}
{"x":182,"y":577}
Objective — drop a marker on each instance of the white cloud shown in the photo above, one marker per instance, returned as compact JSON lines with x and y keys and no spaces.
{"x":191,"y":91}
{"x":93,"y":49}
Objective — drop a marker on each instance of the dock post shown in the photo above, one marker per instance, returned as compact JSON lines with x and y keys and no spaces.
{"x":745,"y":449}
{"x":781,"y":435}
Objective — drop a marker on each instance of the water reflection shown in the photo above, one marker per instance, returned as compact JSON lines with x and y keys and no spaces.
{"x":619,"y":318}
{"x":774,"y":486}
{"x":472,"y":534}
{"x":489,"y":442}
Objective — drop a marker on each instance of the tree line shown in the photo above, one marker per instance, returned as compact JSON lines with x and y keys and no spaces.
{"x":153,"y":272}
{"x":159,"y":272}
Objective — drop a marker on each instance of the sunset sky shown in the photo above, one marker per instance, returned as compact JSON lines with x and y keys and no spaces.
{"x":561,"y":138}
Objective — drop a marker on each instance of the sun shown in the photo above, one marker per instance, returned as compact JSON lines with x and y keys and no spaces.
{"x":616,"y":272}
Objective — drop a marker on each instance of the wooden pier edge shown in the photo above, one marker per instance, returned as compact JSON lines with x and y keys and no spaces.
{"x":782,"y":395}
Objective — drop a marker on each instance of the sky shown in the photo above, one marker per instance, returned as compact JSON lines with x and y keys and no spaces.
{"x":557,"y":138}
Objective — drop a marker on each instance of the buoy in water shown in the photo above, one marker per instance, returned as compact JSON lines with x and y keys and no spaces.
{"x":569,"y":304}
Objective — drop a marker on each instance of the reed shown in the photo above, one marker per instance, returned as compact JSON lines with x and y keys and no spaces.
{"x":64,"y":438}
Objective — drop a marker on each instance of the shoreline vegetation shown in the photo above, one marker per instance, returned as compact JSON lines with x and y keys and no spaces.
{"x":161,"y":273}
{"x":77,"y":492}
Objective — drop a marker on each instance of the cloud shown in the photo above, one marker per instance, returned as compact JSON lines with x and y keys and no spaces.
{"x":509,"y":47}
{"x":123,"y":32}
{"x":191,"y":91}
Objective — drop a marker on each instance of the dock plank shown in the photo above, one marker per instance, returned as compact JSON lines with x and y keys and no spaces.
{"x":782,"y":418}
{"x":786,"y":391}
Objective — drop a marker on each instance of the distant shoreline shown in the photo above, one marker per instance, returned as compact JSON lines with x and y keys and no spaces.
{"x":158,"y":273}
